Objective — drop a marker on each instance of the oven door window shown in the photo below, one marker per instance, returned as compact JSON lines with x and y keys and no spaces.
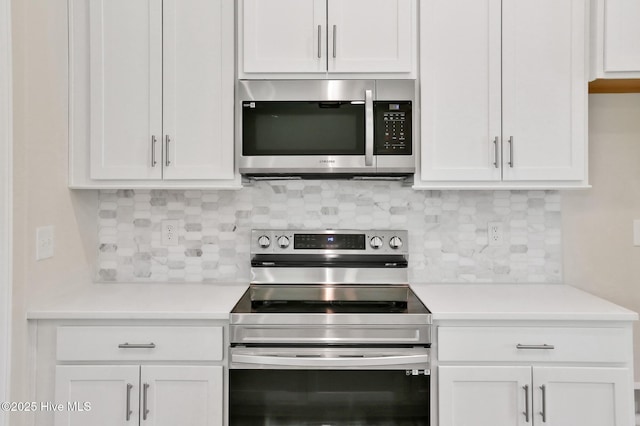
{"x":327,"y":397}
{"x":303,"y":128}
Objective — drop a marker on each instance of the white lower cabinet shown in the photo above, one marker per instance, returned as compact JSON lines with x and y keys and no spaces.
{"x":136,"y":374}
{"x":148,"y":395}
{"x":521,"y":395}
{"x":546,"y":375}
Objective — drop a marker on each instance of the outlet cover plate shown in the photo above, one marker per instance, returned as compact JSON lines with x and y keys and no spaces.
{"x":170,"y":233}
{"x":44,"y":242}
{"x":495,"y":233}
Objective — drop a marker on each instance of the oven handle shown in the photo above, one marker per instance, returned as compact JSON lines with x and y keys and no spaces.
{"x":322,"y":361}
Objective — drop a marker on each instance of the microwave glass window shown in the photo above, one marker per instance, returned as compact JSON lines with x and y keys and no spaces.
{"x":303,"y":128}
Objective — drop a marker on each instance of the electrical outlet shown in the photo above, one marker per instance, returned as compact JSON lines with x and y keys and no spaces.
{"x":44,"y":242}
{"x":495,"y":233}
{"x":170,"y":233}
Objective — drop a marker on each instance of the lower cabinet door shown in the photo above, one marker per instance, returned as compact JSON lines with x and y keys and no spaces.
{"x":583,"y":396}
{"x":181,"y":395}
{"x":97,"y":395}
{"x":485,"y":396}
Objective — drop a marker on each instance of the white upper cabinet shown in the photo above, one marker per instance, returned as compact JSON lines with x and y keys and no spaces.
{"x":281,"y":35}
{"x":151,"y":93}
{"x":503,"y":102}
{"x":460,"y":84}
{"x":198,"y":90}
{"x":126,"y":87}
{"x":616,"y":35}
{"x":327,"y":38}
{"x":544,"y":90}
{"x":370,"y":36}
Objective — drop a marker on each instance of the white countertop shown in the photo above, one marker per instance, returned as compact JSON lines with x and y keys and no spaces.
{"x":140,"y":301}
{"x":517,"y":302}
{"x":215,"y":301}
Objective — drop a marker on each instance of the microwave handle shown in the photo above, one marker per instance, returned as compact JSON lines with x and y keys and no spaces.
{"x":368,"y":133}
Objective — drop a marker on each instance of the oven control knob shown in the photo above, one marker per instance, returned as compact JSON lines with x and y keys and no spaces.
{"x":283,"y":242}
{"x":395,"y":243}
{"x":375,"y":243}
{"x":264,"y":241}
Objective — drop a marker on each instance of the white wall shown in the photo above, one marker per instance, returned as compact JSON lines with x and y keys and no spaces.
{"x":40,"y":172}
{"x":597,"y":224}
{"x":5,"y":203}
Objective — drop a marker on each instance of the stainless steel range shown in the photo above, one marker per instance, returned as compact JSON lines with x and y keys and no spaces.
{"x":329,"y":332}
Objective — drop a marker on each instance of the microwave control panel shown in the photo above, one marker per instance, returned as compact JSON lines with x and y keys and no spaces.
{"x":393,"y":128}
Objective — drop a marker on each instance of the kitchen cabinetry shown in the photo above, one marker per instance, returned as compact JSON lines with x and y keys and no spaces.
{"x":512,"y":380}
{"x":151,"y":93}
{"x":503,"y":102}
{"x":616,"y":39}
{"x":310,"y":38}
{"x":496,"y":396}
{"x":148,"y":395}
{"x":139,"y":374}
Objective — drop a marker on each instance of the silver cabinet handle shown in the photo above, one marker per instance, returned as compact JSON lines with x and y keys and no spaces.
{"x":545,"y":346}
{"x":153,"y":151}
{"x":496,"y":153}
{"x":526,"y":403}
{"x":137,"y":345}
{"x":128,"y":412}
{"x":145,"y":411}
{"x":368,"y":135}
{"x":319,"y":41}
{"x":167,"y":140}
{"x":511,"y":151}
{"x":335,"y":36}
{"x":543,"y":413}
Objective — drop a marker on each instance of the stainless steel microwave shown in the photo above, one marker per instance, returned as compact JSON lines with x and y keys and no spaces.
{"x":326,"y":128}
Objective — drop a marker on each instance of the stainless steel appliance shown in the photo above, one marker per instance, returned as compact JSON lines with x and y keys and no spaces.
{"x":329,"y":333}
{"x":306,"y":128}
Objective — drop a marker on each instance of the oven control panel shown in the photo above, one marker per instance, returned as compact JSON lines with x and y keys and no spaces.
{"x":329,"y":241}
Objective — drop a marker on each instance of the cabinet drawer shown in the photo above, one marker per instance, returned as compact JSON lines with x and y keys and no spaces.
{"x":528,"y":344}
{"x":139,"y":343}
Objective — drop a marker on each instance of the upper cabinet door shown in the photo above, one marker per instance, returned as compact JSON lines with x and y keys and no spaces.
{"x":198,"y":89}
{"x":371,"y":36}
{"x":125,"y":88}
{"x":621,"y":36}
{"x":460,"y":76}
{"x":544,"y":89}
{"x":284,"y":36}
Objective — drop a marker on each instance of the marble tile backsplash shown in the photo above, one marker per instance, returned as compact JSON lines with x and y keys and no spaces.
{"x":448,"y":239}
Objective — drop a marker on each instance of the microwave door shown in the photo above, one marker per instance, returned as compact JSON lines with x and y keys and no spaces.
{"x":308,"y":136}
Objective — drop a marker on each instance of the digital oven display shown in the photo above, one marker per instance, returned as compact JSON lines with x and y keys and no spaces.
{"x":329,"y":241}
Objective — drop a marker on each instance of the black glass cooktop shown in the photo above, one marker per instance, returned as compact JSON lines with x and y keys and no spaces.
{"x":328,"y":307}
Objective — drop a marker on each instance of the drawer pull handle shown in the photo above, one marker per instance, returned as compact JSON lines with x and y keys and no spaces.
{"x":545,"y":346}
{"x":129,"y":387}
{"x":137,"y":345}
{"x":145,"y":410}
{"x":543,"y":413}
{"x":526,"y":403}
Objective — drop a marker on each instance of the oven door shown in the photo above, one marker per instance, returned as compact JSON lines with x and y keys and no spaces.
{"x":329,"y":386}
